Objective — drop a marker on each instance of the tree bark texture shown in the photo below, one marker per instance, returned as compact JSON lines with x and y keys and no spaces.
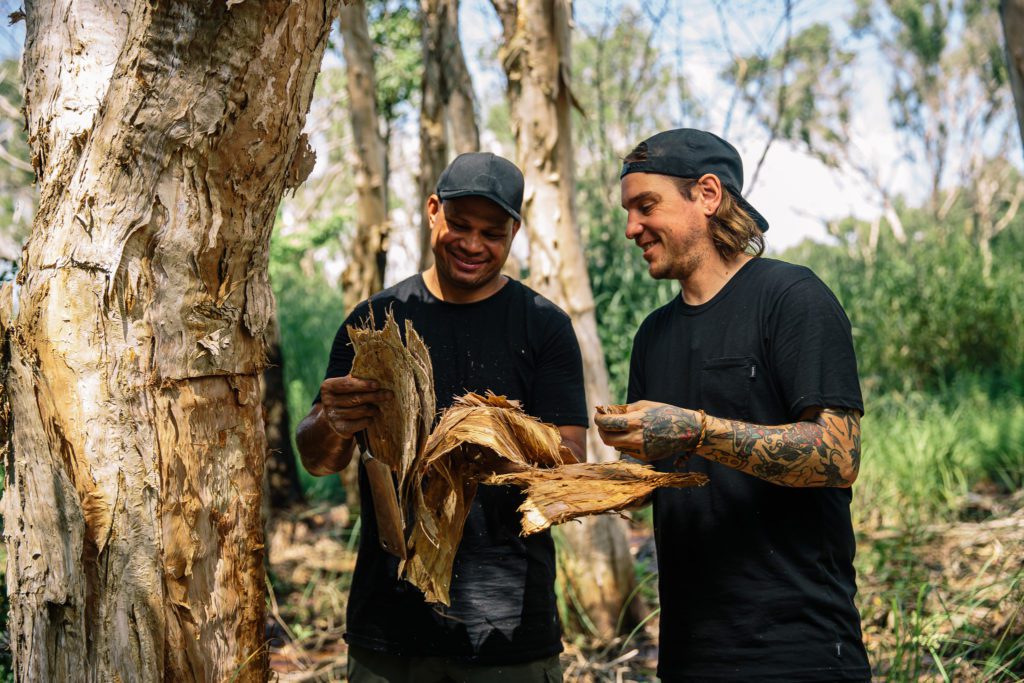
{"x":447,"y":111}
{"x":1012,"y":14}
{"x":163,"y":135}
{"x":364,"y":274}
{"x":536,"y":59}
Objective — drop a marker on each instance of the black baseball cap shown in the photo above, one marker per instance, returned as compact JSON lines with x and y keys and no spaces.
{"x":484,"y":175}
{"x":690,"y":153}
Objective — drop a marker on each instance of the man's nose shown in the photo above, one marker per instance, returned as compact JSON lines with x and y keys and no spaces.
{"x":633,"y":227}
{"x":472,"y":241}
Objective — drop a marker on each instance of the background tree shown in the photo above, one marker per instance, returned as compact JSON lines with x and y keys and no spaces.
{"x":281,"y":476}
{"x":536,"y":59}
{"x":447,"y":111}
{"x":364,"y":274}
{"x":1012,"y":14}
{"x":17,"y":196}
{"x":133,"y":342}
{"x":620,"y":79}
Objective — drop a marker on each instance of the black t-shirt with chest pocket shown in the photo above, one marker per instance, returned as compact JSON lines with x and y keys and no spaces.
{"x":756,"y":580}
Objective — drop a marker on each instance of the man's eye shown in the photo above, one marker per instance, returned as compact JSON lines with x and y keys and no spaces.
{"x":646,"y":209}
{"x":495,"y":236}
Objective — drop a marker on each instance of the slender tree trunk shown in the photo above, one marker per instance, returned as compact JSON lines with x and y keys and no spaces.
{"x":364,"y":274}
{"x":447,"y":113}
{"x":1012,"y":13}
{"x":282,"y":489}
{"x":368,"y":253}
{"x":536,"y":61}
{"x":163,"y":136}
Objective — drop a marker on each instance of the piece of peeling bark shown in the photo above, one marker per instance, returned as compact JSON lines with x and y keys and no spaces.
{"x":476,"y":437}
{"x":559,"y":495}
{"x":421,"y":510}
{"x":395,"y":439}
{"x":490,"y":440}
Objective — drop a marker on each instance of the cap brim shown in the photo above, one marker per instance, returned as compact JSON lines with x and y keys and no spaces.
{"x":453,"y":194}
{"x":751,"y":211}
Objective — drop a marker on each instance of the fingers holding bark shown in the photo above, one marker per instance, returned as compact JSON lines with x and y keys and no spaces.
{"x":647,"y":430}
{"x":350,"y":404}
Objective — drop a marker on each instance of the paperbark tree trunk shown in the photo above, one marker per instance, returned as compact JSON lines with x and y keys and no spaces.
{"x":364,"y":274}
{"x":1012,"y":13}
{"x":163,"y":136}
{"x":447,"y":112}
{"x":536,"y":58}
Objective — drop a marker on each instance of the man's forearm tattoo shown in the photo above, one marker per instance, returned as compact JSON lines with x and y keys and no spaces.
{"x":822,"y":452}
{"x":669,"y":431}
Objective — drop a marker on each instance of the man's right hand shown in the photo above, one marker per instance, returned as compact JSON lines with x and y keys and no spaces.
{"x":350,"y":405}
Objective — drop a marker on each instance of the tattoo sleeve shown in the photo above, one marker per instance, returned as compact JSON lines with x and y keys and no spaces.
{"x":821,"y":452}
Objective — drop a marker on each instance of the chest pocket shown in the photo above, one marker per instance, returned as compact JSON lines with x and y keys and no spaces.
{"x":726,"y":385}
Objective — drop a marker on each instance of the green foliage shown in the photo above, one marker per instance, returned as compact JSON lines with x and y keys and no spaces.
{"x":924,"y":313}
{"x":17,"y":194}
{"x":802,"y":92}
{"x":395,"y":31}
{"x":309,"y":311}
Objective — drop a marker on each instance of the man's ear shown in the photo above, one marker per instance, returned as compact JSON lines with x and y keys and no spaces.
{"x":709,"y":188}
{"x":515,"y":229}
{"x":433,"y":208}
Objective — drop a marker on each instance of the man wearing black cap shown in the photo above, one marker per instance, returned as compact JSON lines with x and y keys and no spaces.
{"x":750,"y":377}
{"x":485,"y":332}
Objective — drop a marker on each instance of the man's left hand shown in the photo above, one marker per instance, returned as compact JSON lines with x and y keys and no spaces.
{"x":647,"y":430}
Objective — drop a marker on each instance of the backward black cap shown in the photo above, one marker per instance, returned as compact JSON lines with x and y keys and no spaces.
{"x":690,"y":153}
{"x":483,"y":174}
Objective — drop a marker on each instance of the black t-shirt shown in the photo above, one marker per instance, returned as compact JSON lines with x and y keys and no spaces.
{"x":756,"y":580}
{"x":503,"y":611}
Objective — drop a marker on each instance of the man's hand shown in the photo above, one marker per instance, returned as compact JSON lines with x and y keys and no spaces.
{"x":350,"y":404}
{"x":325,"y":436}
{"x":647,"y":430}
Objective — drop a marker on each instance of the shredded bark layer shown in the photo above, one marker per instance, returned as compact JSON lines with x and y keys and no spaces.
{"x":478,"y":440}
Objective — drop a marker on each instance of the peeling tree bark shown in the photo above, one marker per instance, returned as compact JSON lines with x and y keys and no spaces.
{"x":1012,"y":13}
{"x":447,"y":111}
{"x":536,"y":58}
{"x":163,"y":136}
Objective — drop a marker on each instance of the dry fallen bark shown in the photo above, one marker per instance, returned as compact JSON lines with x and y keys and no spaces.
{"x":479,"y":440}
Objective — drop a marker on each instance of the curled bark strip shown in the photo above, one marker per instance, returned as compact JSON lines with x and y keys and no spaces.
{"x":572,"y":491}
{"x":478,"y":440}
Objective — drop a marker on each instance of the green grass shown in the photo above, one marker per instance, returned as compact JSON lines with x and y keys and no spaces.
{"x":923,"y":455}
{"x":940,"y":594}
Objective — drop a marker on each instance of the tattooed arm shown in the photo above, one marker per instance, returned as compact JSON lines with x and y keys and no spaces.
{"x":821,"y":449}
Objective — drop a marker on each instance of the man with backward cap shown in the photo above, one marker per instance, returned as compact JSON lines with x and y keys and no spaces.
{"x":484,"y":331}
{"x":750,"y":377}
